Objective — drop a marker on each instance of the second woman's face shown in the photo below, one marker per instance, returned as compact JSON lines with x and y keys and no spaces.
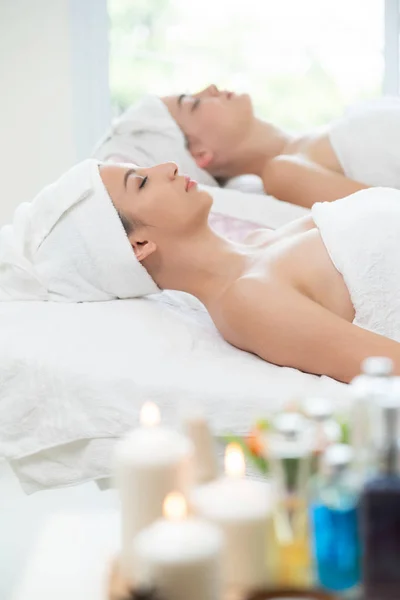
{"x":212,"y":119}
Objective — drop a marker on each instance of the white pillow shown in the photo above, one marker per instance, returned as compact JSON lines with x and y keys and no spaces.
{"x":245,"y":183}
{"x":265,"y":210}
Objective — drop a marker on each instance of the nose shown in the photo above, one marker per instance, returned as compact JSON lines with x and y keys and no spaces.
{"x":208,"y":92}
{"x":169,"y":170}
{"x":213,"y":90}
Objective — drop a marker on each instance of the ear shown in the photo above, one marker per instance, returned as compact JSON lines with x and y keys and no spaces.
{"x":143,"y":249}
{"x":203,"y":158}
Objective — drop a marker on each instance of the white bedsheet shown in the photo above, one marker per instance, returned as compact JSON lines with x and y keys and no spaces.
{"x":259,"y":208}
{"x":73,"y":378}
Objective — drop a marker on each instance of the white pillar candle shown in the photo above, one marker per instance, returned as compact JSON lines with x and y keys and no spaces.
{"x":242,"y":508}
{"x":198,"y":431}
{"x":179,"y":557}
{"x":150,"y":462}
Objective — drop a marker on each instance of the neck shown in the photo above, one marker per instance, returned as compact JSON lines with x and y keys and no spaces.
{"x":203,"y":264}
{"x":264,"y":142}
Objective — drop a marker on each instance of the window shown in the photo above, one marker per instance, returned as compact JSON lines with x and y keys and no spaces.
{"x":302,"y":61}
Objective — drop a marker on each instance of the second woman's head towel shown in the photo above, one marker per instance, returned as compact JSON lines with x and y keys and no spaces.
{"x":146,"y":134}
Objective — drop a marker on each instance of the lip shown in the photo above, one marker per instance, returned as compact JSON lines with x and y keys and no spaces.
{"x":190,"y":183}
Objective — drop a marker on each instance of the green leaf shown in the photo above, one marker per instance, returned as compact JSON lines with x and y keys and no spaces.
{"x":345,"y":437}
{"x":259,"y":462}
{"x":263,"y":424}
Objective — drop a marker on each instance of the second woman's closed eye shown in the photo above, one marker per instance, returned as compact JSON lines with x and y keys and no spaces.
{"x":195,"y":104}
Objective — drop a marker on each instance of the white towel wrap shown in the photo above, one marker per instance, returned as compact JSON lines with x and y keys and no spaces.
{"x":69,"y":245}
{"x":366,"y":141}
{"x":362,"y":236}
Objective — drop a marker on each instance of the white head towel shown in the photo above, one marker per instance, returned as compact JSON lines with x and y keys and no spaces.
{"x":146,"y":135}
{"x":69,"y":245}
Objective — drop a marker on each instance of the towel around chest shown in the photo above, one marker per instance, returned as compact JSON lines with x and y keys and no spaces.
{"x":362,"y":236}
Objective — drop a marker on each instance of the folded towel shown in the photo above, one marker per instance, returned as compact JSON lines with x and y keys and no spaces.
{"x":366,"y":142}
{"x":146,"y":135}
{"x":69,"y":245}
{"x":362,"y":235}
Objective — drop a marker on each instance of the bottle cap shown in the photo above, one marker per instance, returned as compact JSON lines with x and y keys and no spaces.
{"x":338,"y":455}
{"x":291,"y":437}
{"x":290,"y":425}
{"x":318,"y":409}
{"x":378,"y":366}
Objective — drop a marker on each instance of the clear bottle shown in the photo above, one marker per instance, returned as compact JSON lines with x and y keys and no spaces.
{"x":290,"y":446}
{"x":334,"y":518}
{"x":366,"y":428}
{"x":380,"y":514}
{"x":326,"y":430}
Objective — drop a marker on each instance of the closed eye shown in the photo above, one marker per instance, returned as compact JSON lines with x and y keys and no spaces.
{"x":143,"y":182}
{"x":195,"y":105}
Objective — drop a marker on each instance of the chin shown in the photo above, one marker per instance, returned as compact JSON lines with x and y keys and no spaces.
{"x":204,"y":202}
{"x":197,"y":215}
{"x":242,"y":98}
{"x":241,"y":109}
{"x":206,"y":199}
{"x":246,"y":99}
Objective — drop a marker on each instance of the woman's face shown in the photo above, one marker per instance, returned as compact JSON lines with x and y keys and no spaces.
{"x":213,"y":121}
{"x":161,"y":203}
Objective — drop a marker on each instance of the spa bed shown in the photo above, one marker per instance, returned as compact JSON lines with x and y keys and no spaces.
{"x":73,"y":376}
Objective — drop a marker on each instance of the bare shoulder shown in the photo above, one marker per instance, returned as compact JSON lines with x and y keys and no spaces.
{"x":253,"y":310}
{"x":245,"y":289}
{"x":282,"y":326}
{"x":239,"y":304}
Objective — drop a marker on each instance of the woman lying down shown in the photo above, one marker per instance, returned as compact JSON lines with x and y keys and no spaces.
{"x":320,"y":294}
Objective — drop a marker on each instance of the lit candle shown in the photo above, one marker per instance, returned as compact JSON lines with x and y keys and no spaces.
{"x":151,"y":461}
{"x":180,"y":557}
{"x":242,"y":508}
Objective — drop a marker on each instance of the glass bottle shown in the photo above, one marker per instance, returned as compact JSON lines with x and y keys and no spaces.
{"x":380,"y":514}
{"x":366,"y":431}
{"x":289,"y":455}
{"x":327,"y":431}
{"x":334,"y":518}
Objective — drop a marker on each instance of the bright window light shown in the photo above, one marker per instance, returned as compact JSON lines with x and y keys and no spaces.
{"x":302,"y":61}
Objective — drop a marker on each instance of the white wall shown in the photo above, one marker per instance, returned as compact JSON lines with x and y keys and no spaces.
{"x":392,"y":46}
{"x":49,"y":82}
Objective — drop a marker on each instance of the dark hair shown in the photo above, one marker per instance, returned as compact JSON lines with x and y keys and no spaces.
{"x":126,"y":223}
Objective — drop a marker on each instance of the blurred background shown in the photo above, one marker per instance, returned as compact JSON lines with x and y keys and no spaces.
{"x":68,"y":66}
{"x":302,"y":61}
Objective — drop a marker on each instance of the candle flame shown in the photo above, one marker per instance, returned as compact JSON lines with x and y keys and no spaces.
{"x":150,"y":414}
{"x":234,"y":461}
{"x":175,"y":507}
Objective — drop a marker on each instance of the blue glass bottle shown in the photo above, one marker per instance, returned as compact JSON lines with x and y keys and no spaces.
{"x":334,"y":520}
